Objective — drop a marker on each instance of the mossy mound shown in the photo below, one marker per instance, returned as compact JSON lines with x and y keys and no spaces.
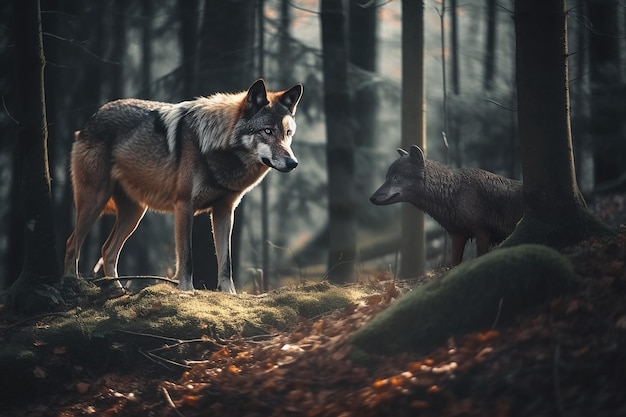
{"x":470,"y":297}
{"x":162,"y":311}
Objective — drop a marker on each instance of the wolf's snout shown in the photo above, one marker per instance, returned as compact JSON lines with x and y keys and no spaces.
{"x":290,"y":164}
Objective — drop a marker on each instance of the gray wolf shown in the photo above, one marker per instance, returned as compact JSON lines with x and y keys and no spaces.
{"x":467,"y":202}
{"x":188,"y":158}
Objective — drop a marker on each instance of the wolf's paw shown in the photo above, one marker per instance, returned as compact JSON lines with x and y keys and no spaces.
{"x":227,"y":286}
{"x":185,"y":284}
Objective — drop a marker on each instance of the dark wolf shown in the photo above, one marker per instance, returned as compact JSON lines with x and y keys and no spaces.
{"x":188,"y":158}
{"x":467,"y":202}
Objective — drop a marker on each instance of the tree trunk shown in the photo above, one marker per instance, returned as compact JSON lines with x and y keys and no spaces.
{"x":40,"y":259}
{"x":225,"y":63}
{"x":555,"y":211}
{"x":607,"y":101}
{"x":188,"y":17}
{"x":362,"y":55}
{"x":339,"y":146}
{"x":146,"y":48}
{"x":413,"y":250}
{"x":454,"y":47}
{"x":490,"y":47}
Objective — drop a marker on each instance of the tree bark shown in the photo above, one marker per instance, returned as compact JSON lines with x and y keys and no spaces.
{"x":339,"y":145}
{"x":225,"y":63}
{"x":362,"y":54}
{"x":607,"y":98}
{"x":555,"y":211}
{"x":413,"y":245}
{"x":188,"y":17}
{"x":490,"y":47}
{"x":40,"y":258}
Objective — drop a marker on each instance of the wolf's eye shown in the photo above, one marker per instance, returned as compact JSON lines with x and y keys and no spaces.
{"x":267,"y":131}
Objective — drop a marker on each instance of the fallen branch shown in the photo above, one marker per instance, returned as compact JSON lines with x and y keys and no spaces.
{"x":135,"y":277}
{"x":169,"y":401}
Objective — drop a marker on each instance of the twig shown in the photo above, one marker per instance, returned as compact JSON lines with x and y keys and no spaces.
{"x":156,"y":358}
{"x":169,"y":401}
{"x":154,"y":336}
{"x":150,"y":358}
{"x":131,"y":277}
{"x":159,"y":360}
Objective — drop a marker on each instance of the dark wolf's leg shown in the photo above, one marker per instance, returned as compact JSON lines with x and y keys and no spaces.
{"x":222,"y":217}
{"x":183,"y":222}
{"x":482,"y":243}
{"x":458,"y":247}
{"x":129,"y":214}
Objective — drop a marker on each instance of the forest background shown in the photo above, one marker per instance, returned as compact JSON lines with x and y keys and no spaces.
{"x":175,"y":50}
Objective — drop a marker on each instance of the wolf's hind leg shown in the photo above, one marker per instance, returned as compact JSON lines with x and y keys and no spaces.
{"x":129,"y":214}
{"x":87,"y":212}
{"x":458,"y":247}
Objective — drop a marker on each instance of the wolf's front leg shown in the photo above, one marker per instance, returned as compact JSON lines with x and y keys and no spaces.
{"x":222,"y":217}
{"x":183,"y":222}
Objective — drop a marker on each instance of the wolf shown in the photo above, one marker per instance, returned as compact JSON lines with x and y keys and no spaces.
{"x":467,"y":202}
{"x":187,"y":158}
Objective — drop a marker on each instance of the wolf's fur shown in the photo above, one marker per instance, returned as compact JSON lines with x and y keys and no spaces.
{"x":196,"y":156}
{"x":467,"y":202}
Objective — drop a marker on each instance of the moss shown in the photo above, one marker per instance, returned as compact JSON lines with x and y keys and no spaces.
{"x":103,"y":335}
{"x":470,"y":297}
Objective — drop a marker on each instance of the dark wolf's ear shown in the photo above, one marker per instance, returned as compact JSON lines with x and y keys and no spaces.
{"x":256,"y":98}
{"x":416,"y":155}
{"x":402,"y":152}
{"x":291,"y":97}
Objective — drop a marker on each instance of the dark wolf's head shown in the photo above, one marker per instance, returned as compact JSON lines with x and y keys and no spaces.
{"x":405,"y":177}
{"x":268,"y":125}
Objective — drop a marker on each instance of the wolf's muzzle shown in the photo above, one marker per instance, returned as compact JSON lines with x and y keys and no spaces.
{"x":290,"y":164}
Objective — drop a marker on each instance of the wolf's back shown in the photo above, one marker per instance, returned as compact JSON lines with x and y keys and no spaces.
{"x":121,"y":118}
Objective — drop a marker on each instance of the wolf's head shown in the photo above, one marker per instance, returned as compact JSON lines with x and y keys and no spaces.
{"x":404,"y":180}
{"x":269,"y":125}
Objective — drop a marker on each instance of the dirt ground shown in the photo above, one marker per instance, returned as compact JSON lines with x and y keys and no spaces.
{"x":566,"y":357}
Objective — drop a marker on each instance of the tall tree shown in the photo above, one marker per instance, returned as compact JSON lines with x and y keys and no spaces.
{"x":146,"y":47}
{"x":362,"y":48}
{"x":339,"y":144}
{"x":607,"y":101}
{"x":454,"y":46}
{"x":413,"y":246}
{"x":362,"y":54}
{"x":188,"y":19}
{"x":225,"y":63}
{"x":40,"y":259}
{"x":555,"y":211}
{"x":490,"y":47}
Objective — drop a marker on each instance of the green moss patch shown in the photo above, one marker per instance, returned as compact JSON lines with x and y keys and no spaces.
{"x":472,"y":296}
{"x":157,"y":313}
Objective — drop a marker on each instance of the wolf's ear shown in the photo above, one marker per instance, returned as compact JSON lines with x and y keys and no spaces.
{"x":291,"y":97}
{"x":402,"y":152}
{"x":416,"y":155}
{"x":256,"y":98}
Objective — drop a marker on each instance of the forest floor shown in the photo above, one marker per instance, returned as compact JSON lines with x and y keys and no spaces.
{"x":566,"y":357}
